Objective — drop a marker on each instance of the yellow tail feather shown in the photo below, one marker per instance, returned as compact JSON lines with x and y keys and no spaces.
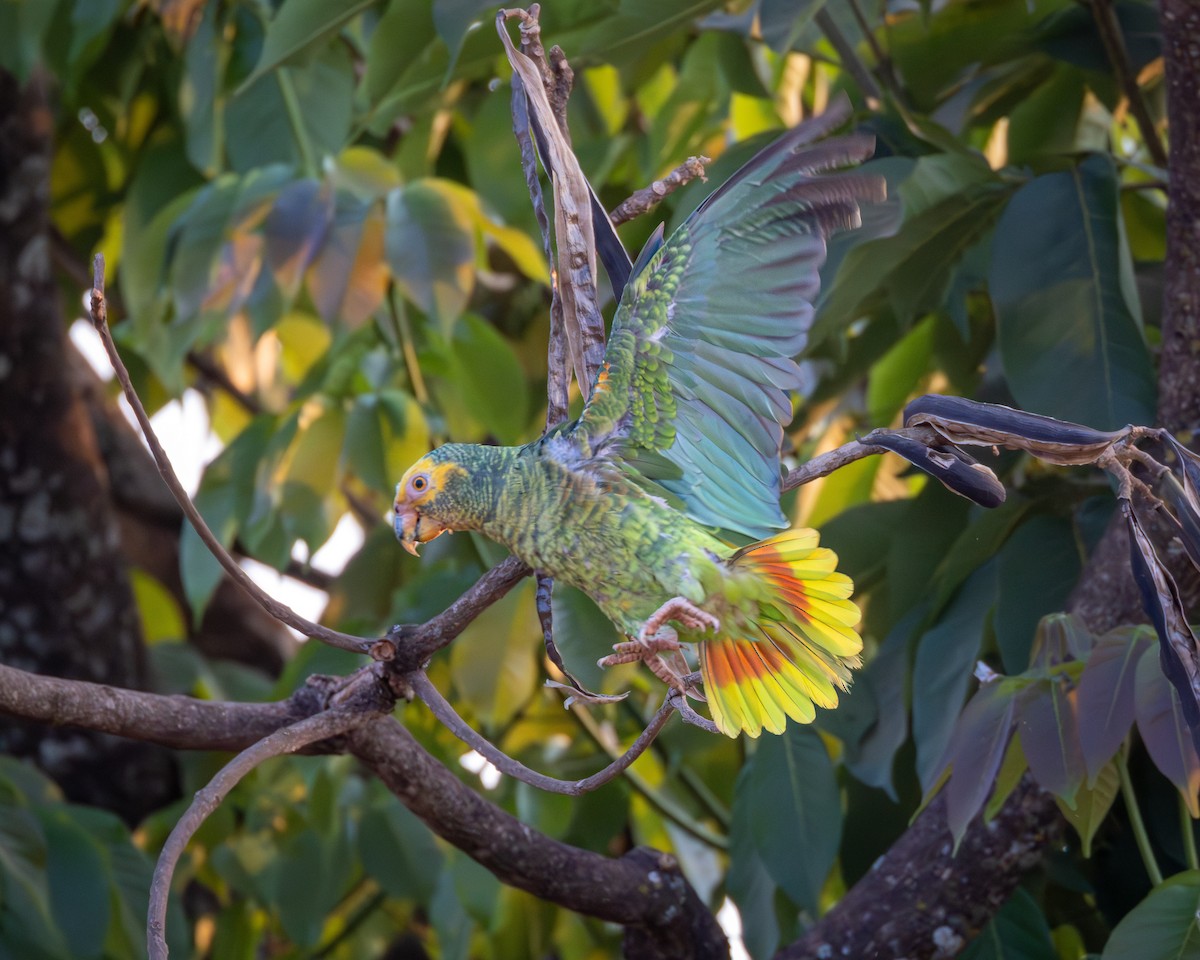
{"x":803,"y":649}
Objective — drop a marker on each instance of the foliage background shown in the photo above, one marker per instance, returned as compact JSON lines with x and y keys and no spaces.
{"x":314,"y":211}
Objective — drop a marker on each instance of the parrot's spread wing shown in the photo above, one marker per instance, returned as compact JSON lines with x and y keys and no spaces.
{"x":693,"y":393}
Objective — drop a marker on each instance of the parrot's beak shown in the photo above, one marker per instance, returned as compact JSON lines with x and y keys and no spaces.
{"x":412,"y":528}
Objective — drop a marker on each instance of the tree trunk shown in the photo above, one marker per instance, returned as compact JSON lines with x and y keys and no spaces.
{"x":66,"y":607}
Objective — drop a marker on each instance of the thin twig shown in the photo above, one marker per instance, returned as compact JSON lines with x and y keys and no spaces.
{"x":280,"y":611}
{"x":827,"y":463}
{"x":661,"y":802}
{"x":1109,"y":28}
{"x":409,"y":647}
{"x":440,"y":707}
{"x":851,"y":62}
{"x":646,"y":199}
{"x":559,"y":91}
{"x":883,"y":63}
{"x":1136,"y":185}
{"x":67,"y":260}
{"x":290,"y":739}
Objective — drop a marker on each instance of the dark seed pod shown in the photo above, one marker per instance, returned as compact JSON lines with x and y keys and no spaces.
{"x":964,"y":421}
{"x":955,"y":470}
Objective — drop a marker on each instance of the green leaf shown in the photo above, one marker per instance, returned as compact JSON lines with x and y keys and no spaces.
{"x":27,"y":928}
{"x":493,"y":662}
{"x":886,"y":676}
{"x":911,"y":273}
{"x":975,"y":753}
{"x":895,"y":375}
{"x":1037,"y":569}
{"x":782,"y":21}
{"x":23,"y":26}
{"x":1048,"y":723}
{"x":295,"y":230}
{"x":302,"y":893}
{"x":787,"y":794}
{"x":1066,"y":308}
{"x":1017,"y":932}
{"x":1092,"y":804}
{"x":430,"y":244}
{"x":632,"y":30}
{"x":398,"y":850}
{"x":1012,"y":769}
{"x":348,"y":277}
{"x":944,"y":666}
{"x":76,"y":871}
{"x":490,"y":379}
{"x":583,"y":635}
{"x":1106,"y":694}
{"x":201,"y":100}
{"x":296,"y":116}
{"x":1164,"y":926}
{"x":751,"y":888}
{"x":450,"y":921}
{"x":454,"y":19}
{"x":299,"y":25}
{"x":1164,"y":731}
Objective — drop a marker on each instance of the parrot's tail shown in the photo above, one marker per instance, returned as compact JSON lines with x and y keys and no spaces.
{"x":800,"y":650}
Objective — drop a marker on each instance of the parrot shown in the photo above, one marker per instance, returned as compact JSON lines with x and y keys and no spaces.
{"x":642,"y":501}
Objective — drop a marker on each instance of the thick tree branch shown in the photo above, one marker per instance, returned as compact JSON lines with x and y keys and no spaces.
{"x":183,"y":723}
{"x":906,"y":907}
{"x":643,"y":890}
{"x":1179,"y":370}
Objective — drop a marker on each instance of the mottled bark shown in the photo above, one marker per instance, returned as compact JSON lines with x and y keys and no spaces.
{"x":1179,"y":374}
{"x":935,"y":902}
{"x":65,"y":603}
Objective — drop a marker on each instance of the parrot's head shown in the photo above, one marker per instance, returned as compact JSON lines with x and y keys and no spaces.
{"x":433,"y":497}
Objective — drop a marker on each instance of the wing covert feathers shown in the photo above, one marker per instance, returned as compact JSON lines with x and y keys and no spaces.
{"x":700,"y":363}
{"x":800,"y":651}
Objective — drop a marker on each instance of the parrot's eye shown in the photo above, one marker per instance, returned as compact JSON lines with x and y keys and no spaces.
{"x":419,"y":483}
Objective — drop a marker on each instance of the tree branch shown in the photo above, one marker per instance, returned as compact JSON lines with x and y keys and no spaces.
{"x":646,"y":199}
{"x":1109,"y":28}
{"x":643,"y":890}
{"x":441,"y":708}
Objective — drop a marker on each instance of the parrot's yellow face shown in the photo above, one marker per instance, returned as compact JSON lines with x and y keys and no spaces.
{"x":419,"y":517}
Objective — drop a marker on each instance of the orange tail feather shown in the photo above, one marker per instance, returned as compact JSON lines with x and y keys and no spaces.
{"x":804,"y":646}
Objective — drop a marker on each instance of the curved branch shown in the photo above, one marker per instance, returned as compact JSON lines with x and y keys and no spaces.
{"x":289,"y":739}
{"x":280,"y":611}
{"x":440,"y":707}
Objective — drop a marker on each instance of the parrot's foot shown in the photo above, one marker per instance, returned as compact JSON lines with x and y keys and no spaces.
{"x":683,"y":612}
{"x":660,"y":652}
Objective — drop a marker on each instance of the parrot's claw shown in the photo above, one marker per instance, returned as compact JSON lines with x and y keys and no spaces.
{"x":683,"y":612}
{"x":661,"y":653}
